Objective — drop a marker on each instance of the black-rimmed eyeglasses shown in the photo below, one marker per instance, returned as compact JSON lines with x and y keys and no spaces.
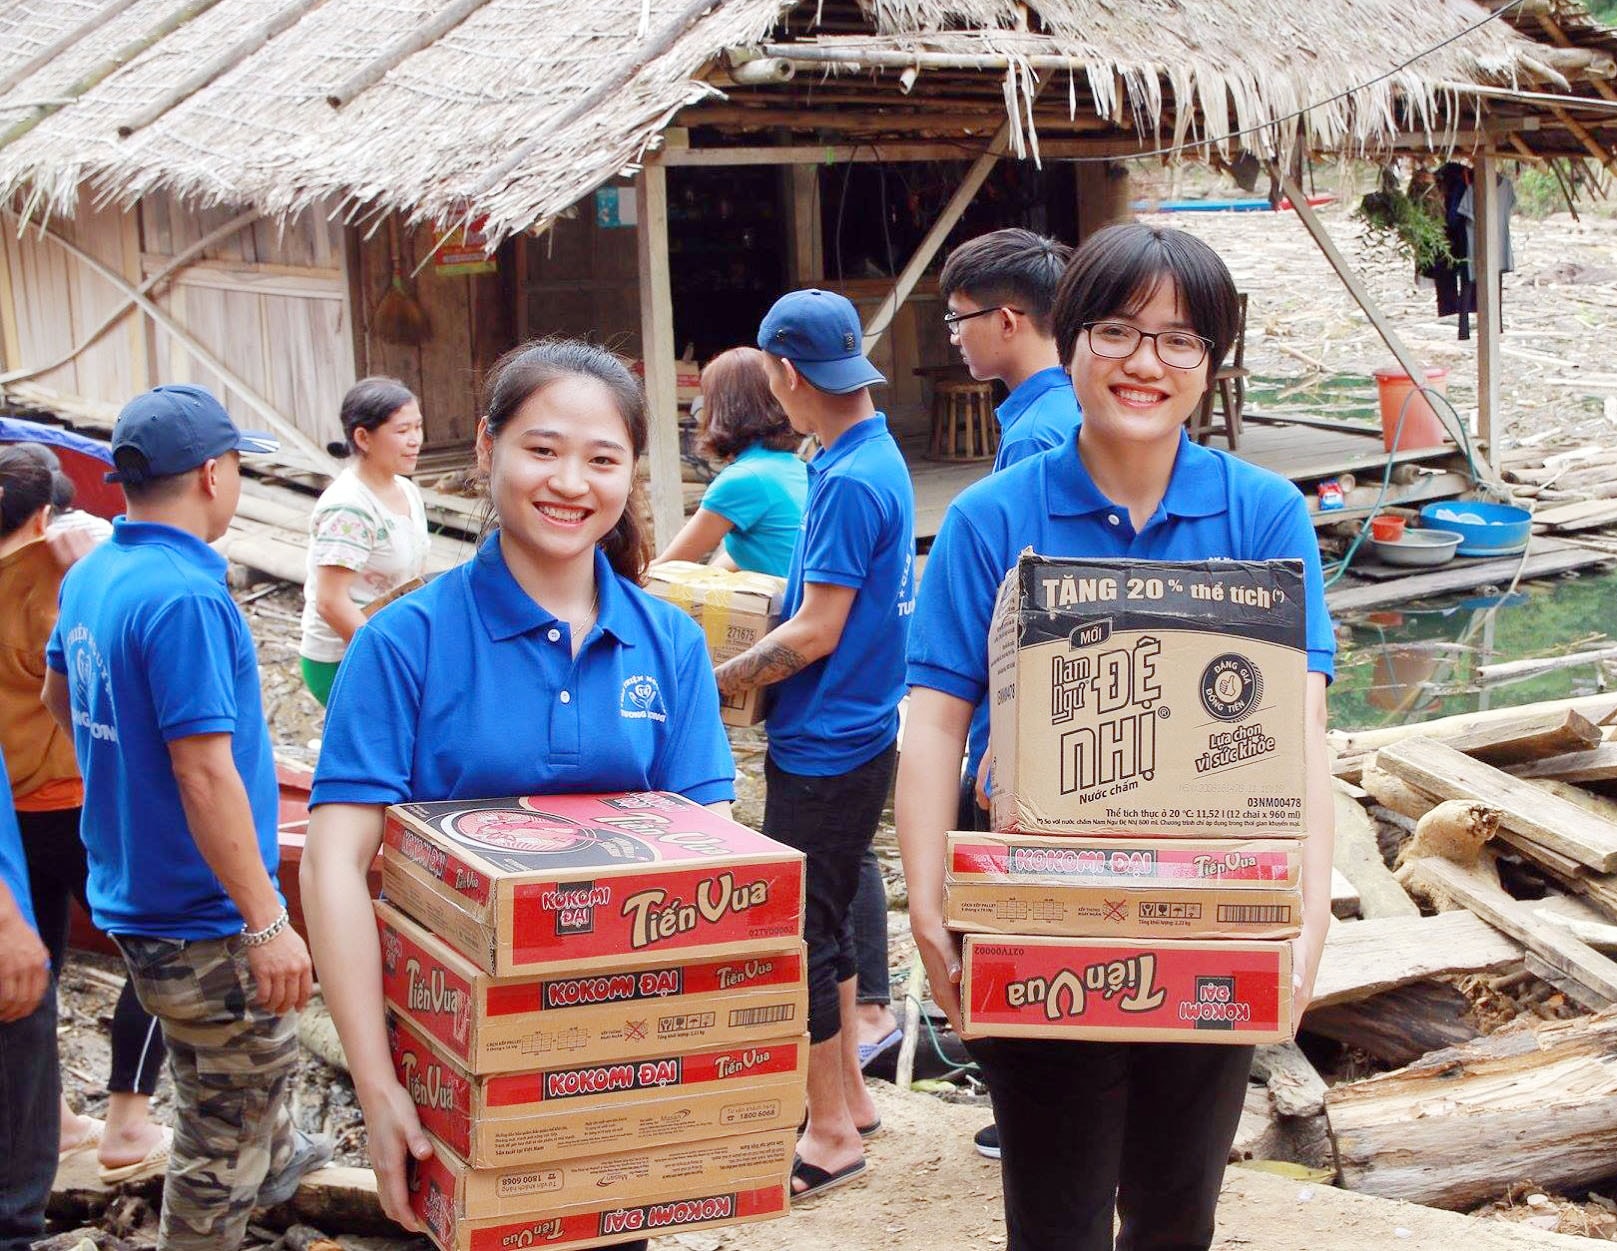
{"x":1117,"y":340}
{"x":951,"y":321}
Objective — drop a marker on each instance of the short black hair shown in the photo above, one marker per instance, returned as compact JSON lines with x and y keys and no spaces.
{"x":1011,"y":266}
{"x":1117,"y":269}
{"x":368,"y":405}
{"x":25,"y":487}
{"x":156,"y":490}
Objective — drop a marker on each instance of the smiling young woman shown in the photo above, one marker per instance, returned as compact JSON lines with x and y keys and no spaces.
{"x":1143,"y":316}
{"x":525,"y":671}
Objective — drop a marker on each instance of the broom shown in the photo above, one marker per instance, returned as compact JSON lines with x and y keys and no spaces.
{"x":398,"y":318}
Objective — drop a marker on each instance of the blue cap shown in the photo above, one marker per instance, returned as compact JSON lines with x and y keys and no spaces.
{"x":173,"y":429}
{"x":819,"y":332}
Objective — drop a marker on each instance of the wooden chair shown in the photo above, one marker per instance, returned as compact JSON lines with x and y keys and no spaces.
{"x":963,"y":423}
{"x":1229,"y":388}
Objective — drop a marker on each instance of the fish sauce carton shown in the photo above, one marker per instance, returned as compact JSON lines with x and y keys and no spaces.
{"x":1122,"y":887}
{"x":735,"y":608}
{"x":599,"y":1105}
{"x":575,"y":883}
{"x":1149,"y":697}
{"x":494,"y":1025}
{"x":1103,"y":990}
{"x":665,"y":1189}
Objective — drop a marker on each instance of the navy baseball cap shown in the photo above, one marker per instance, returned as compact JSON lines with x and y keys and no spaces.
{"x":819,"y":332}
{"x":173,"y":429}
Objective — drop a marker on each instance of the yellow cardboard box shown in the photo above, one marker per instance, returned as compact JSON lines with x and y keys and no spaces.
{"x":735,"y":610}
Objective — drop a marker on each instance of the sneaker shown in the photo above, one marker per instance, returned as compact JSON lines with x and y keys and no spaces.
{"x":312,"y":1152}
{"x":986,"y":1140}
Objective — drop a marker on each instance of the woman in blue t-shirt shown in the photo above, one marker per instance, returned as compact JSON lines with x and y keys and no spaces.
{"x":755,"y":505}
{"x":506,"y":676}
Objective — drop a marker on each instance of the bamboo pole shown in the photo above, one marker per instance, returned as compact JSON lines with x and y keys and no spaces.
{"x":231,"y":227}
{"x":1485,"y":275}
{"x":108,"y":66}
{"x":406,"y":45}
{"x":57,"y":46}
{"x":1560,"y":39}
{"x":314,"y":455}
{"x":232,"y":56}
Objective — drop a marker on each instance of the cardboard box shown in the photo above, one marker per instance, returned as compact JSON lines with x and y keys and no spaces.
{"x":1108,"y":991}
{"x":493,"y":1025}
{"x":579,"y":882}
{"x":1122,"y":888}
{"x":735,"y":610}
{"x":585,"y":1109}
{"x":670,"y":1171}
{"x":1149,"y":697}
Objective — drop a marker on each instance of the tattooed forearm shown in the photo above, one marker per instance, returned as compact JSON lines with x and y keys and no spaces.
{"x":761,"y":665}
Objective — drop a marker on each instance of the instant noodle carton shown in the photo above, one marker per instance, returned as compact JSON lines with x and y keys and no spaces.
{"x":492,"y":1025}
{"x":1149,"y":697}
{"x":1123,"y":887}
{"x":578,"y":1203}
{"x":1224,"y":991}
{"x":734,"y":608}
{"x":600,"y":1105}
{"x":572,"y":883}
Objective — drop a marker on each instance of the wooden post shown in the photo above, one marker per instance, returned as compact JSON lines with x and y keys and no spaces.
{"x":928,"y":247}
{"x":657,"y":350}
{"x":1485,"y":272}
{"x":1389,"y":334}
{"x":807,"y":238}
{"x":1103,"y":195}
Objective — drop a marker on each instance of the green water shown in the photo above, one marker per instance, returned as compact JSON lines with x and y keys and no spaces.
{"x":1417,"y":662}
{"x":1342,"y":398}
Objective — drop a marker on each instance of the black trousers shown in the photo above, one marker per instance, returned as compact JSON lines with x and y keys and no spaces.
{"x":1084,"y":1127}
{"x":832,"y":821}
{"x":57,"y":873}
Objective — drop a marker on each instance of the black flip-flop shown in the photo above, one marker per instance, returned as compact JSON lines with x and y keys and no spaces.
{"x":865,"y":1131}
{"x":817,"y":1180}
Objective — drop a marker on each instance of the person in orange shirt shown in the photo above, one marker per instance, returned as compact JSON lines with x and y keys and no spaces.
{"x":47,"y":796}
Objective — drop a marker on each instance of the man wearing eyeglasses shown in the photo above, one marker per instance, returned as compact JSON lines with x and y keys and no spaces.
{"x":1000,"y":288}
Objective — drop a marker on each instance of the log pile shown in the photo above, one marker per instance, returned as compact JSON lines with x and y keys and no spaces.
{"x":1483,"y":850}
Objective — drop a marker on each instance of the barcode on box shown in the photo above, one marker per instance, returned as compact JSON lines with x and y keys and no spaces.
{"x":772,"y":1014}
{"x":1254,"y":914}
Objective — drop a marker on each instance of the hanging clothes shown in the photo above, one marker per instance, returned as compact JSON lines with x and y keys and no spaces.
{"x":1504,"y":206}
{"x":1455,"y":293}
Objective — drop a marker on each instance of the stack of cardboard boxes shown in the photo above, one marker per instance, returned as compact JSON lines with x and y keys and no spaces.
{"x":1148,"y":797}
{"x":735,"y":608}
{"x":598,"y":1004}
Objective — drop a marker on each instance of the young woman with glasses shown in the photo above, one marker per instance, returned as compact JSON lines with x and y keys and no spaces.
{"x":1143,"y":316}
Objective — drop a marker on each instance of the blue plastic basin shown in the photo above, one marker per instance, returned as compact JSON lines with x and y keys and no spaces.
{"x":1484,"y":529}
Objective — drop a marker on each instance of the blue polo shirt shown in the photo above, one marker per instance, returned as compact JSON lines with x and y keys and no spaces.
{"x":1040,"y":414}
{"x":13,"y":867}
{"x":761,"y":494}
{"x":1216,"y":505}
{"x":858,"y":531}
{"x":468,"y":689}
{"x":154,"y":650}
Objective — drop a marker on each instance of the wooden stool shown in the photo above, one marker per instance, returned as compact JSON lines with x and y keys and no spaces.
{"x":963,"y":423}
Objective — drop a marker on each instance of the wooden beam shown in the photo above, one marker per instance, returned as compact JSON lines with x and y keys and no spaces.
{"x":1560,"y":39}
{"x":405,"y":46}
{"x":1524,"y":809}
{"x":96,"y":21}
{"x":950,"y":214}
{"x":231,"y":57}
{"x":1365,"y":958}
{"x":1597,"y":764}
{"x":1485,"y":264}
{"x":807,"y":236}
{"x":657,"y":351}
{"x":1361,"y":295}
{"x":106,"y":67}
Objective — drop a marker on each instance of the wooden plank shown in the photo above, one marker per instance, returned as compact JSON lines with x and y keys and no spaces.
{"x":1345,"y":901}
{"x":1401,"y":1024}
{"x":1535,"y":735}
{"x":1525,"y":809}
{"x":10,"y":314}
{"x":1365,"y":958}
{"x":1595,"y":708}
{"x":1547,"y":940}
{"x":1578,"y":515}
{"x":1356,"y":856}
{"x":1462,"y":578}
{"x":1599,"y":764}
{"x":657,"y":350}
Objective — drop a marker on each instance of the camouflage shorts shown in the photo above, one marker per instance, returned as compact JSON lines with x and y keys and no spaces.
{"x":231,"y":1063}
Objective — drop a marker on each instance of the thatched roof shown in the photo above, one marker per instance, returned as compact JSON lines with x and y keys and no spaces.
{"x":525,"y":105}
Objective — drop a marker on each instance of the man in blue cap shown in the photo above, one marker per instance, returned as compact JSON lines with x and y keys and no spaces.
{"x":837,"y":664}
{"x":152,"y":669}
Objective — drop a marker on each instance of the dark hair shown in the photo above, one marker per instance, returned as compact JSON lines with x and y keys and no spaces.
{"x":26,"y":483}
{"x":738,"y":408}
{"x":1116,"y":270}
{"x":62,"y":488}
{"x":367,"y":405}
{"x":1014,"y":266}
{"x":524,"y":371}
